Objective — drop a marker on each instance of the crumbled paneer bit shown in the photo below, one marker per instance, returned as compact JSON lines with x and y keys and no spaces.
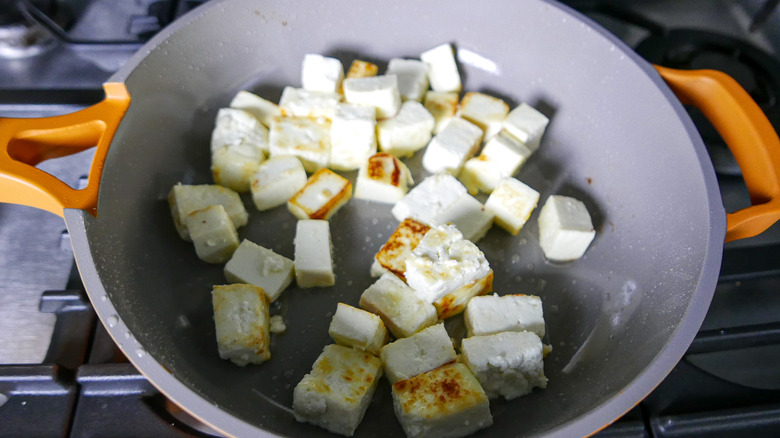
{"x":277,"y":325}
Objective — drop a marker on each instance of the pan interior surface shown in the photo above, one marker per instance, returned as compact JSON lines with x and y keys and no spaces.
{"x":614,"y":141}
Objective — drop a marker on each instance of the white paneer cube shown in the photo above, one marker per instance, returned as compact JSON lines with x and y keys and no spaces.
{"x":406,"y":133}
{"x":508,"y":364}
{"x":254,"y":264}
{"x":241,"y":320}
{"x":264,"y":110}
{"x":321,"y":197}
{"x":442,"y":69}
{"x":358,"y":328}
{"x":213,"y":233}
{"x":452,"y":146}
{"x":412,"y":77}
{"x":443,"y":105}
{"x":233,"y":166}
{"x":380,"y":92}
{"x":235,"y":126}
{"x":403,"y":313}
{"x":502,"y":156}
{"x":419,"y":353}
{"x":338,"y":390}
{"x":297,"y":102}
{"x":184,"y":199}
{"x":485,"y":111}
{"x":393,"y":254}
{"x":429,"y":199}
{"x":527,"y":124}
{"x":383,"y":178}
{"x":445,"y":402}
{"x":512,"y":203}
{"x":352,"y":136}
{"x":320,"y":73}
{"x":362,"y":69}
{"x":444,"y":262}
{"x":469,"y":216}
{"x":491,"y":314}
{"x":307,"y":138}
{"x":565,"y":228}
{"x":276,"y":181}
{"x":313,"y":254}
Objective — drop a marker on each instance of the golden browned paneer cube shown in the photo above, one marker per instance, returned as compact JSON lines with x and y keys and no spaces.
{"x":362,"y":69}
{"x":322,"y":196}
{"x":393,"y":254}
{"x":445,"y":402}
{"x":455,"y":302}
{"x":338,"y":390}
{"x":443,"y":105}
{"x":485,"y":111}
{"x":241,"y":319}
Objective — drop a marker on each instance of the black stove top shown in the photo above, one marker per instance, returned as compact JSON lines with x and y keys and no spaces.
{"x":62,"y":375}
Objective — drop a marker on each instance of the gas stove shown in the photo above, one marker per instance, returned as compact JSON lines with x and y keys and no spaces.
{"x":62,"y":375}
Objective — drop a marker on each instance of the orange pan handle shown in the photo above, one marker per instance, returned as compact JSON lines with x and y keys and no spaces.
{"x":748,"y":134}
{"x":26,"y":142}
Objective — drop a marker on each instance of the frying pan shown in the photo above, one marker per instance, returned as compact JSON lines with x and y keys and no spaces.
{"x":619,"y":139}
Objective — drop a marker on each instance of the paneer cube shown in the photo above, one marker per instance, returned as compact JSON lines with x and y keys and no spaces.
{"x":307,"y":138}
{"x":491,"y":314}
{"x":297,"y":102}
{"x":508,"y":364}
{"x":502,"y":156}
{"x":403,"y":313}
{"x":213,"y":234}
{"x":442,"y":403}
{"x":241,"y":321}
{"x":383,"y":178}
{"x":313,"y":254}
{"x":485,"y":111}
{"x":338,"y":390}
{"x":264,"y":110}
{"x":452,"y":146}
{"x":184,"y":199}
{"x":321,"y":197}
{"x":512,"y":203}
{"x":565,"y":228}
{"x":469,"y":216}
{"x":352,"y":136}
{"x":406,"y":133}
{"x":412,"y":77}
{"x":443,"y":105}
{"x":527,"y":124}
{"x":398,"y":248}
{"x":443,"y":262}
{"x":358,"y":328}
{"x":254,"y":264}
{"x":362,"y":69}
{"x":320,"y":73}
{"x":443,"y":71}
{"x":455,"y":302}
{"x":426,"y":201}
{"x":276,"y":181}
{"x":233,"y":166}
{"x":236,"y":126}
{"x":380,"y":92}
{"x":419,"y":353}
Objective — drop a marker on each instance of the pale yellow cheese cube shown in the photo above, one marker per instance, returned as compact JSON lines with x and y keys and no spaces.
{"x":264,"y":110}
{"x":184,"y":199}
{"x":323,"y":195}
{"x":399,"y":307}
{"x":213,"y":234}
{"x":254,"y":264}
{"x":276,"y":181}
{"x":485,"y":111}
{"x":399,"y":246}
{"x":362,"y":69}
{"x":445,"y":402}
{"x":421,"y":352}
{"x":383,"y":178}
{"x":358,"y":328}
{"x":234,"y":165}
{"x":338,"y":390}
{"x":512,"y":203}
{"x":443,"y":106}
{"x":313,"y":254}
{"x":297,"y":102}
{"x":241,"y":320}
{"x":502,"y":156}
{"x":307,"y":138}
{"x":380,"y":92}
